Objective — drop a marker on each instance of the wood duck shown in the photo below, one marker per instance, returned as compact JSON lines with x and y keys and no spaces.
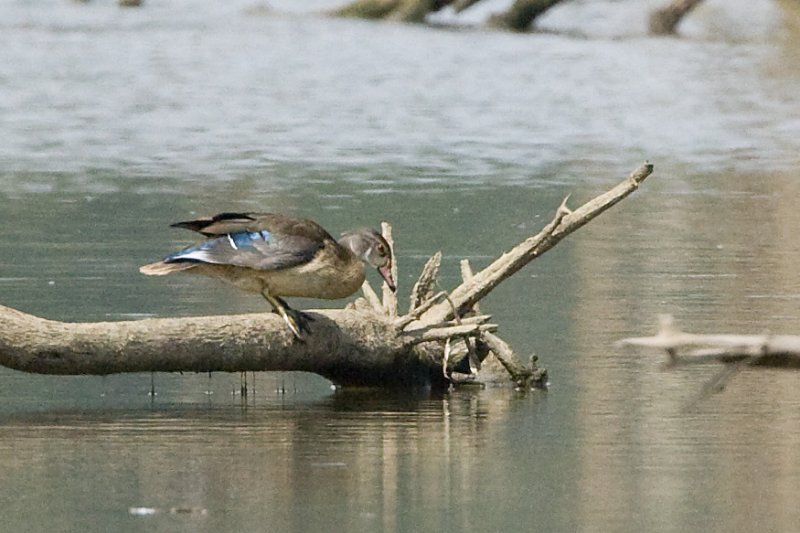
{"x":279,"y":256}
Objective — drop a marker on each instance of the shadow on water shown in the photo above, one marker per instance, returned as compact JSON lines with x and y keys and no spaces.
{"x":223,"y":405}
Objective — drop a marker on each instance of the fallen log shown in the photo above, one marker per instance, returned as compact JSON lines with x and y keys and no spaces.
{"x":442,"y":336}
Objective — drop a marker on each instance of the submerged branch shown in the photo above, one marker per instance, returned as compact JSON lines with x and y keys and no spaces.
{"x":523,"y":375}
{"x":774,"y":351}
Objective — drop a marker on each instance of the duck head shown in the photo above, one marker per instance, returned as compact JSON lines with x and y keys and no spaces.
{"x":372,"y":248}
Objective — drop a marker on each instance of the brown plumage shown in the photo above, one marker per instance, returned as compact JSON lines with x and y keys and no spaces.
{"x":279,"y":256}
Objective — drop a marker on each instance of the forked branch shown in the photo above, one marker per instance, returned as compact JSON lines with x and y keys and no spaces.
{"x":466,"y":295}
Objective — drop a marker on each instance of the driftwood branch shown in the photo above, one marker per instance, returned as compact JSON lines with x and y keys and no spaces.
{"x":665,"y":20}
{"x":522,"y":13}
{"x":372,"y":297}
{"x":452,"y":331}
{"x":389,"y":296}
{"x":368,"y":9}
{"x":523,"y":375}
{"x":735,"y":351}
{"x":518,"y":17}
{"x":366,"y":343}
{"x":402,"y":10}
{"x":423,"y":288}
{"x":462,"y":5}
{"x":772,"y":351}
{"x":417,"y":311}
{"x":564,"y":222}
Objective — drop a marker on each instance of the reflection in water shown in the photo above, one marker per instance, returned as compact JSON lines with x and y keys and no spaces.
{"x":390,"y":462}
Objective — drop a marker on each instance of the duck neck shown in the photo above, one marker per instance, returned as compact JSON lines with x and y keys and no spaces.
{"x":354,"y":245}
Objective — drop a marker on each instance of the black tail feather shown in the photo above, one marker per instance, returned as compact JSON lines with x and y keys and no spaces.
{"x":218,"y":224}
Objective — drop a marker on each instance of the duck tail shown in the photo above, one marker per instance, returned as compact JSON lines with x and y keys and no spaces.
{"x":161,"y":268}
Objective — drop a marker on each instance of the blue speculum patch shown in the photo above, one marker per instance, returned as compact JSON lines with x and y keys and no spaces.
{"x":246,"y":238}
{"x":242,"y":239}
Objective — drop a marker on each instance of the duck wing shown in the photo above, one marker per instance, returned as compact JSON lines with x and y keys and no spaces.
{"x":262,"y":241}
{"x":259,"y":250}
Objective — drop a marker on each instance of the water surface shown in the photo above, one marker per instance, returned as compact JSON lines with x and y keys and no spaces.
{"x":116,"y":123}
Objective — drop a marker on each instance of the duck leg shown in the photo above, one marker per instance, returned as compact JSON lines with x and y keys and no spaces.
{"x":295,"y":320}
{"x":301,"y":318}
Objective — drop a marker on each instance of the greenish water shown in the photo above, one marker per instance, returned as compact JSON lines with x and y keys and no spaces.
{"x":115,"y":123}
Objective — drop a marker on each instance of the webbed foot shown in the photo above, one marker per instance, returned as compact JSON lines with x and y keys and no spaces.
{"x":297,"y":321}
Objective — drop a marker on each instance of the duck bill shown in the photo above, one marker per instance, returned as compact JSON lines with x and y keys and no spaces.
{"x":386,"y":273}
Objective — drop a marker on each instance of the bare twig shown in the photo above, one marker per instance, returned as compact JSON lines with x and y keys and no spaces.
{"x":468,"y":278}
{"x":461,"y":5}
{"x":521,"y":373}
{"x":451,"y":375}
{"x":371,"y":297}
{"x":457,"y":378}
{"x":423,"y":288}
{"x":522,"y":14}
{"x":407,"y":319}
{"x":665,"y":20}
{"x":446,"y":358}
{"x":564,"y":222}
{"x":389,"y":296}
{"x":442,"y":334}
{"x":472,"y":352}
{"x":475,"y":319}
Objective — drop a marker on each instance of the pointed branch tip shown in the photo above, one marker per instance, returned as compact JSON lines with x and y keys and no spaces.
{"x":644,"y":170}
{"x":563,"y":207}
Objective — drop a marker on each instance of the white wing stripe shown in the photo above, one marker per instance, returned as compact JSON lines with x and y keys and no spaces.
{"x":197,"y":255}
